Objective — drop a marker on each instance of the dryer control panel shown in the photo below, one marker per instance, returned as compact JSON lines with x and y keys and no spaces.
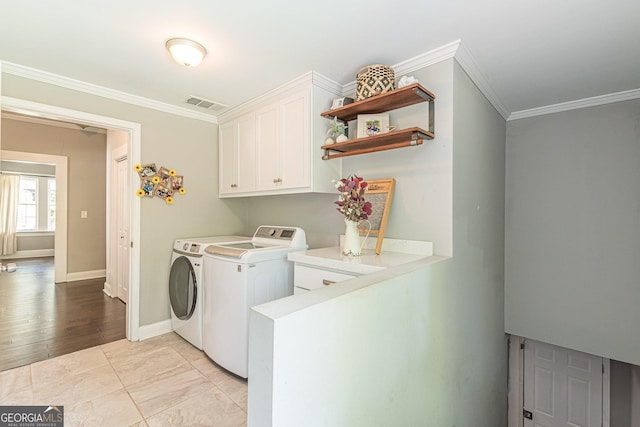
{"x":194,"y":248}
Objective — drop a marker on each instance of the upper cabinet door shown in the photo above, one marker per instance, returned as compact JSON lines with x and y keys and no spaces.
{"x":246,"y":152}
{"x":267,"y":148}
{"x":295,"y":141}
{"x":228,"y":169}
{"x":237,"y":155}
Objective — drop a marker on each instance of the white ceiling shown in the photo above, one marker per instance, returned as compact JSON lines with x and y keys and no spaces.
{"x":532,"y":54}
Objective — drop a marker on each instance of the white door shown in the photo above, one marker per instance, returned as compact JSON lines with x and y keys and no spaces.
{"x":122,"y":225}
{"x":562,"y":387}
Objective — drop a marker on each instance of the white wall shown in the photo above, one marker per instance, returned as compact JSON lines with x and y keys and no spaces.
{"x":573,"y":230}
{"x":421,"y":346}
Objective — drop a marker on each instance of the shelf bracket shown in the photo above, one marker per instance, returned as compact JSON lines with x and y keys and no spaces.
{"x":431,"y":117}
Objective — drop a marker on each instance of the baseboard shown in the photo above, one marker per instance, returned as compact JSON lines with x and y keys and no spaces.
{"x":85,"y":275}
{"x":155,"y":329}
{"x":35,"y":253}
{"x":107,"y":289}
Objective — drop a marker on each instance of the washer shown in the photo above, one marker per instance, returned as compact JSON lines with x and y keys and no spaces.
{"x":238,"y":276}
{"x":185,"y":282}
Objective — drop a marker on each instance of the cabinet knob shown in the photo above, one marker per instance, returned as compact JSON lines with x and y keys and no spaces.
{"x":277,"y":180}
{"x":234,"y":185}
{"x":327,"y":282}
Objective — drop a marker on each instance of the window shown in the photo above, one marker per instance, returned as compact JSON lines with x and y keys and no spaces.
{"x":27,"y":204}
{"x":37,"y":203}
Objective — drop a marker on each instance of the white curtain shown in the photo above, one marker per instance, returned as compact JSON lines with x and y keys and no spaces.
{"x":9,"y":186}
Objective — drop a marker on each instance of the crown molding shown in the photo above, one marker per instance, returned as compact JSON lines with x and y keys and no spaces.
{"x":468,"y":64}
{"x":305,"y":80}
{"x":410,"y":65}
{"x":575,"y":105}
{"x":69,"y":83}
{"x":454,"y":49}
{"x":426,"y":59}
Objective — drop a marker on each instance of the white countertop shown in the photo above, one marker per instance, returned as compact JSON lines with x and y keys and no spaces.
{"x":394,"y":252}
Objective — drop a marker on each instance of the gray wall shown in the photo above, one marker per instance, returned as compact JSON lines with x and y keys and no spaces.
{"x":187,"y":145}
{"x":573,"y":230}
{"x":86,"y":190}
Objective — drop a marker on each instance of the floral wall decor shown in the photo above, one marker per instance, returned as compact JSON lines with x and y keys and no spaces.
{"x":163,"y":183}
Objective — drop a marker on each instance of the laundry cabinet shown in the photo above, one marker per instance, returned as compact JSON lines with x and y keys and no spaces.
{"x":321,"y":267}
{"x":237,"y":147}
{"x":308,"y":278}
{"x":271,"y":145}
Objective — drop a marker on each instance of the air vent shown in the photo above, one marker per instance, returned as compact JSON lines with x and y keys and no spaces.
{"x":205,"y":103}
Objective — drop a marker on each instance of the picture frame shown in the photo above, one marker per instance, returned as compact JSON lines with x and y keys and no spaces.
{"x":379,"y":193}
{"x":176,"y":182}
{"x":162,"y":191}
{"x":341,"y":102}
{"x":165,"y":177}
{"x":147,"y":186}
{"x":372,"y":124}
{"x":148,"y":170}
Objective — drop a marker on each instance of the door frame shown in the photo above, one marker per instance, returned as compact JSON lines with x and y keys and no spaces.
{"x":515,"y":395}
{"x":52,"y":112}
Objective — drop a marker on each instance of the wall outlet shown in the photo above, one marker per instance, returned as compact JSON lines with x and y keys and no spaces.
{"x":83,"y":214}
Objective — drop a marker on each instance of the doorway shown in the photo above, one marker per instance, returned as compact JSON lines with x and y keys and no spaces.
{"x":60,"y":236}
{"x":133,"y":132}
{"x":552,"y":386}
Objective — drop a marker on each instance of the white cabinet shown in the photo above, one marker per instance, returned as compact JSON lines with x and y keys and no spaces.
{"x":283,"y":144}
{"x":271,"y":145}
{"x":237,"y":147}
{"x":306,"y":278}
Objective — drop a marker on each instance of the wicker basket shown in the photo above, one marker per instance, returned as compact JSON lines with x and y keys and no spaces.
{"x":373,"y":80}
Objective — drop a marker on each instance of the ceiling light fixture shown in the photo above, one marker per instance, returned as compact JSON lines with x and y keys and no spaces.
{"x":186,"y":52}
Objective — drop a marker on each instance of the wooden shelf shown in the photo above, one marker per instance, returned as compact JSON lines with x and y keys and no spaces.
{"x":404,"y":97}
{"x":398,"y":98}
{"x":386,"y":141}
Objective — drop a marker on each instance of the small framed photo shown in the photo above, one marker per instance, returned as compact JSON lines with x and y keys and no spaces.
{"x":162,"y":191}
{"x":176,"y":182}
{"x":147,"y":186}
{"x":341,"y":102}
{"x":148,"y":170}
{"x":165,"y":177}
{"x":372,"y":124}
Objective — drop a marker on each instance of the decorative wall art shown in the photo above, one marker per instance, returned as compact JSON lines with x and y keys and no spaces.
{"x":162,"y":183}
{"x":372,"y":124}
{"x":379,"y":193}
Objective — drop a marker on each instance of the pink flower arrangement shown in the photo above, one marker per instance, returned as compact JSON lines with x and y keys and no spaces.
{"x":351,"y":202}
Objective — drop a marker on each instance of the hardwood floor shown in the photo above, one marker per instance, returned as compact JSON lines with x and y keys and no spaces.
{"x":40,"y":319}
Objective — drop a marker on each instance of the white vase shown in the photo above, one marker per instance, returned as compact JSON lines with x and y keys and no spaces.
{"x":351,"y":245}
{"x":341,"y":138}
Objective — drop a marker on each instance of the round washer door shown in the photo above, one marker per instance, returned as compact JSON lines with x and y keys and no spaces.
{"x":182,"y":288}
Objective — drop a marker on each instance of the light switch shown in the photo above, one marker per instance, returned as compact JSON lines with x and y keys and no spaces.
{"x":83,"y":214}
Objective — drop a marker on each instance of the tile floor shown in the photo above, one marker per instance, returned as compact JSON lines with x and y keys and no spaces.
{"x":162,"y":381}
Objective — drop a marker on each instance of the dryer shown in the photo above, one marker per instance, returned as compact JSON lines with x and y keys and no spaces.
{"x":185,"y":285}
{"x":238,"y":276}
